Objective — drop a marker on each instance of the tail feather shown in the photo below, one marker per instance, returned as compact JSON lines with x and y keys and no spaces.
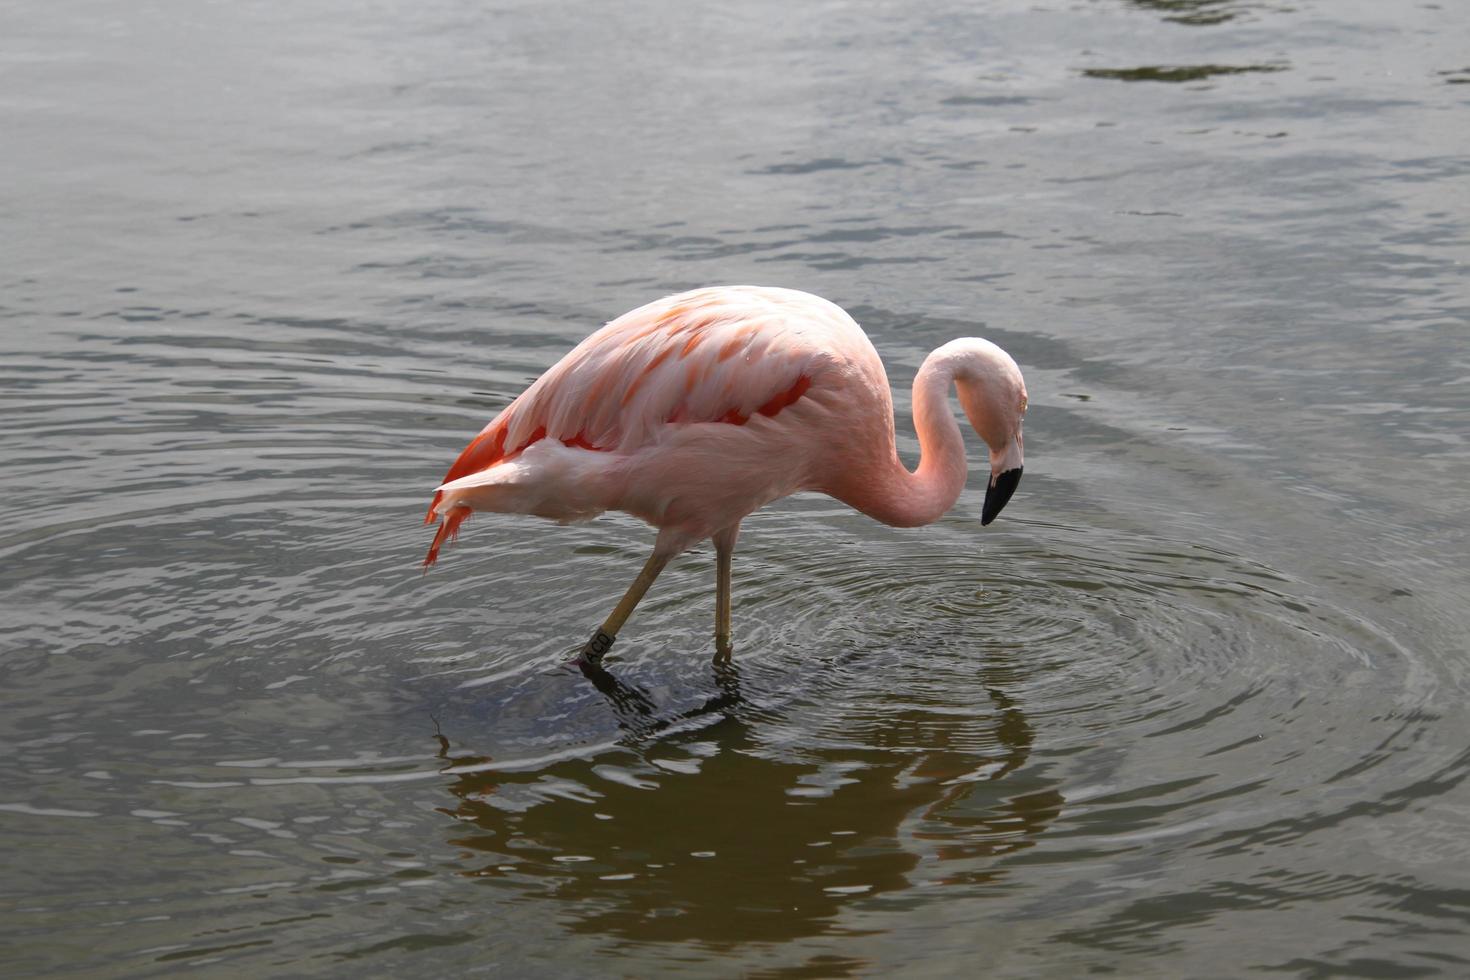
{"x":448,"y":531}
{"x":484,"y":450}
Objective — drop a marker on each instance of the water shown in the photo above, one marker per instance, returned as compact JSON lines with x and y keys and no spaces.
{"x":1195,"y":705}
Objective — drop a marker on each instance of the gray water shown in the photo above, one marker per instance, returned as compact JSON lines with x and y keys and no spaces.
{"x":1194,"y":706}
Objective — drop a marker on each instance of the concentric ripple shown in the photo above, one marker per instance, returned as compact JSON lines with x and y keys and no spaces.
{"x":939,"y":717}
{"x":908,"y":714}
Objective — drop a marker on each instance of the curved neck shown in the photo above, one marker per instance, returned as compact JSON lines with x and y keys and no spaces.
{"x":895,"y":496}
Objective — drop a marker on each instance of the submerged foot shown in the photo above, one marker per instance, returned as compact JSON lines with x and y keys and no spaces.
{"x":635,"y":710}
{"x":723,"y":648}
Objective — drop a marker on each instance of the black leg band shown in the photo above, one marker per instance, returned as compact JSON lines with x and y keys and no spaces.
{"x":597,"y":646}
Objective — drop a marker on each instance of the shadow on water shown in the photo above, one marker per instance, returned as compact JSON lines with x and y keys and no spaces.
{"x":699,"y":834}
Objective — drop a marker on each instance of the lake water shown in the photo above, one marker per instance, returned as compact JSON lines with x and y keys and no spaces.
{"x":1195,"y":705}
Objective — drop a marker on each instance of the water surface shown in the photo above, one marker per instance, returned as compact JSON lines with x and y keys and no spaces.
{"x":1193,"y":706}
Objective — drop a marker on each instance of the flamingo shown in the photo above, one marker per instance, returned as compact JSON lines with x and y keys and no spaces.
{"x":697,"y":409}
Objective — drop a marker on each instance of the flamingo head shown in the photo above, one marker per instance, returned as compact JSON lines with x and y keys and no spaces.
{"x":993,"y":395}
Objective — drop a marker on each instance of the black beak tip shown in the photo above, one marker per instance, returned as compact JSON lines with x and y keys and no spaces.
{"x":998,"y":493}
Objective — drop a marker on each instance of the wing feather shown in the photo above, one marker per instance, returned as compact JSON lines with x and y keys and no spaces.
{"x":713,"y":355}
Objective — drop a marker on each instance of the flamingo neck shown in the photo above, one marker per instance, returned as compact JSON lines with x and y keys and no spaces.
{"x":898,"y":497}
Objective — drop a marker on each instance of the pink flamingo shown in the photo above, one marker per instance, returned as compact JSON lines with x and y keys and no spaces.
{"x":700,"y":408}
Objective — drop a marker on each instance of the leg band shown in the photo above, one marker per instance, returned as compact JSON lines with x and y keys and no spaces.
{"x":597,"y":646}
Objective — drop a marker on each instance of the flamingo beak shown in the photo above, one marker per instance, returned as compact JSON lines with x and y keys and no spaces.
{"x":1002,"y":485}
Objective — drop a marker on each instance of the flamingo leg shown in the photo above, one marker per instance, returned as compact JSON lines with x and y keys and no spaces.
{"x":602,"y":640}
{"x":724,"y":551}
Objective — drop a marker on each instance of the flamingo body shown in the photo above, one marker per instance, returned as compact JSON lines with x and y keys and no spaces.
{"x":695,"y":410}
